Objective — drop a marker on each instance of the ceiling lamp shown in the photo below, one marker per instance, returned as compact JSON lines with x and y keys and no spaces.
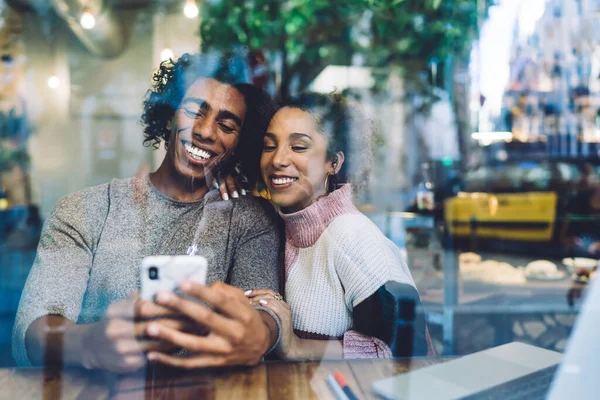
{"x":190,"y":9}
{"x":166,"y":54}
{"x":87,"y":21}
{"x":53,"y":82}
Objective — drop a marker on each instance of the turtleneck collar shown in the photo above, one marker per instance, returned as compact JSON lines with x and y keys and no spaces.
{"x":304,"y":227}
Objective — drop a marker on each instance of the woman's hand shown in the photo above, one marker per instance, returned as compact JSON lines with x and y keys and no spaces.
{"x":238,"y":334}
{"x":117,"y":343}
{"x":273,"y":300}
{"x":230,"y":185}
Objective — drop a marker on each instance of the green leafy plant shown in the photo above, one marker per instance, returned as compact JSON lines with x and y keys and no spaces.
{"x":311,"y":34}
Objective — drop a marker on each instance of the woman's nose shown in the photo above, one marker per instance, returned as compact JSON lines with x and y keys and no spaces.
{"x":281,"y":157}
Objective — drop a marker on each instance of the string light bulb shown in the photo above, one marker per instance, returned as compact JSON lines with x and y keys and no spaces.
{"x":87,"y":21}
{"x":166,"y":54}
{"x":53,"y":82}
{"x":190,"y":9}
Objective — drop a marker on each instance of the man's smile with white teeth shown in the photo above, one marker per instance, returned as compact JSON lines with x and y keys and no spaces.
{"x":196,"y":153}
{"x":283,"y":180}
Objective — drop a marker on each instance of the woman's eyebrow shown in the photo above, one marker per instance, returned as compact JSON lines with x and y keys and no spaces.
{"x":297,"y":135}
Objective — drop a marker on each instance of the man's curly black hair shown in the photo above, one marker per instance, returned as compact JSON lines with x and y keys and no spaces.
{"x":169,"y":85}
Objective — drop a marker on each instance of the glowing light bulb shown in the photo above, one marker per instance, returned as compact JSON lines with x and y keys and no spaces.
{"x":166,"y":54}
{"x":190,"y":9}
{"x":53,"y":82}
{"x":87,"y":21}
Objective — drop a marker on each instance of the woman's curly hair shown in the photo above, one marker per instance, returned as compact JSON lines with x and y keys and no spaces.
{"x":169,"y":85}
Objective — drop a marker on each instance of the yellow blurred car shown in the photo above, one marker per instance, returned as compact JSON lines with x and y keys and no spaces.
{"x":516,"y":200}
{"x":511,"y":216}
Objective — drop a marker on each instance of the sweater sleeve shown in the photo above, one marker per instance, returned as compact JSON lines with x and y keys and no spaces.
{"x":58,"y":278}
{"x":255,"y":262}
{"x":365,"y":262}
{"x":395,"y":316}
{"x":358,"y":345}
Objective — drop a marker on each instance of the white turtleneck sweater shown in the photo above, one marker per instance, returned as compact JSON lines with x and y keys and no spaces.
{"x":335,"y":258}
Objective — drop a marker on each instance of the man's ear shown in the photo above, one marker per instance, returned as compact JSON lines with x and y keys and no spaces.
{"x":336,"y":164}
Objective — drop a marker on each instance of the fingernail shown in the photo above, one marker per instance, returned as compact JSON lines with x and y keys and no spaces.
{"x":153,"y":330}
{"x":164,"y":297}
{"x":151,"y":356}
{"x":243,"y":192}
{"x":225,"y":197}
{"x":263,"y":302}
{"x":185,"y":286}
{"x":235,"y":194}
{"x":247,"y":292}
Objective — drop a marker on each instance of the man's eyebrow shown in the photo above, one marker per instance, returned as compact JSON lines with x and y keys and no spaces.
{"x":223,"y":114}
{"x":226,"y":114}
{"x":201,"y":102}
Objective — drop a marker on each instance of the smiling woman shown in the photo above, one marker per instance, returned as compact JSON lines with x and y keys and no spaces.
{"x":325,"y":140}
{"x":343,"y":278}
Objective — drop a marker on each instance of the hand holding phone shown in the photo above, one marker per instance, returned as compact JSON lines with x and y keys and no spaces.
{"x":164,"y":273}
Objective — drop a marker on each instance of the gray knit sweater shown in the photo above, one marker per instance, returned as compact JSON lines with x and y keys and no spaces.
{"x":94,"y":241}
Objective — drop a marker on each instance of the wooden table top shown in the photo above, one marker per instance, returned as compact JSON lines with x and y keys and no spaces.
{"x":270,"y":380}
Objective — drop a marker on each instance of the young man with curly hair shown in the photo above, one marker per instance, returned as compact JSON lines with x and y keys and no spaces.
{"x":80,"y":302}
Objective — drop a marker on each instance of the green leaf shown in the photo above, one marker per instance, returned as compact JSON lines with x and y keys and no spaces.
{"x":316,"y":33}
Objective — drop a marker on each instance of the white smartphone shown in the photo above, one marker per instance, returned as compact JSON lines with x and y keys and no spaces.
{"x":160,"y":273}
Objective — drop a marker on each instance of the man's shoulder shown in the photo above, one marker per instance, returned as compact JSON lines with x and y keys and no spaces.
{"x":255,"y":213}
{"x":245,"y":211}
{"x":91,"y":194}
{"x":96,"y":196}
{"x":252,"y":205}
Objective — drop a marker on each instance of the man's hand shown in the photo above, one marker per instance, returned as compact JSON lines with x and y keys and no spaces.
{"x":117,"y":343}
{"x":238,"y":335}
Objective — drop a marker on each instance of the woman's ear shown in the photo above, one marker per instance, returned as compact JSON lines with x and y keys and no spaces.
{"x":169,"y":125}
{"x":336,"y":163}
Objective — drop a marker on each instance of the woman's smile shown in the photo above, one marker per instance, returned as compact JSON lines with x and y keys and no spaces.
{"x":282,"y":182}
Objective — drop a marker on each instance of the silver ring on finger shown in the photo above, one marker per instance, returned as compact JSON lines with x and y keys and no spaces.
{"x":278,"y":297}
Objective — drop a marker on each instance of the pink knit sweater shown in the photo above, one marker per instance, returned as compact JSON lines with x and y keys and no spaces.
{"x":335,"y":258}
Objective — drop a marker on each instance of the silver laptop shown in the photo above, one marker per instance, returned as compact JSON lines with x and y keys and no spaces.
{"x":578,"y":376}
{"x":497,"y":369}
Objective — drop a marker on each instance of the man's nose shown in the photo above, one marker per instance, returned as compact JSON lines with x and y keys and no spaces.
{"x":205,"y":129}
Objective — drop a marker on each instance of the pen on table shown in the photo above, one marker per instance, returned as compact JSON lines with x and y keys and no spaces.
{"x":336,"y":389}
{"x":344,"y":385}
